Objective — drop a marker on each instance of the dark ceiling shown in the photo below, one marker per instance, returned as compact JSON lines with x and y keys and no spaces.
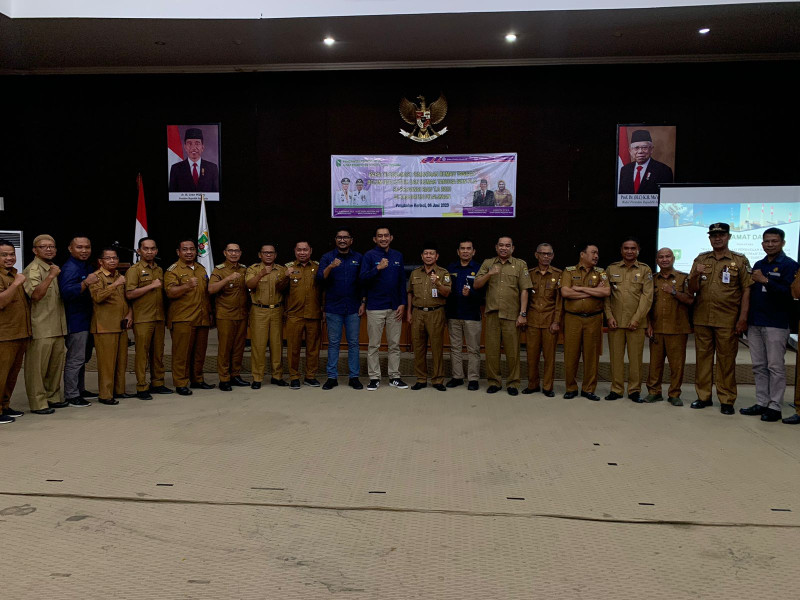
{"x":769,"y":31}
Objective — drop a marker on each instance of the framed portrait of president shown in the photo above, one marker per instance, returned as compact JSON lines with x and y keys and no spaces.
{"x":193,"y":162}
{"x":645,"y":160}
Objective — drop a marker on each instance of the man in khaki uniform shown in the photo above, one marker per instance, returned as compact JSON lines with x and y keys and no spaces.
{"x":144,"y":289}
{"x":721,"y":279}
{"x":795,"y":418}
{"x":44,"y":360}
{"x":626,"y":310}
{"x":188,"y":318}
{"x":584,"y":288}
{"x":506,"y":311}
{"x":303,"y":315}
{"x":669,"y":328}
{"x":544,"y":321}
{"x":266,"y":282}
{"x":15,"y":328}
{"x":428,"y":289}
{"x":111,"y":318}
{"x":228,"y":282}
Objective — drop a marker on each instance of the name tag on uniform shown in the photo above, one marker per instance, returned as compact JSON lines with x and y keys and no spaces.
{"x":435,"y":293}
{"x":726,"y":277}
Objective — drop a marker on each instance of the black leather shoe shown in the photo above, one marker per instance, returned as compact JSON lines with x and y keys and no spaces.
{"x":225,"y":386}
{"x":123,"y":396}
{"x":493,"y":389}
{"x":311,"y":382}
{"x":531,"y":390}
{"x":45,"y":411}
{"x":239,"y":382}
{"x":636,"y":397}
{"x":512,"y":391}
{"x":256,"y":385}
{"x":756,"y":409}
{"x":549,"y":393}
{"x":418,"y":386}
{"x":330,"y":384}
{"x":278,"y":382}
{"x":294,"y":384}
{"x":88,"y":394}
{"x":183,"y":391}
{"x":144,"y":396}
{"x":570,"y":395}
{"x":354,"y":383}
{"x":455,"y":383}
{"x":472,"y":386}
{"x":108,"y":401}
{"x":202,"y":385}
{"x":14,"y":414}
{"x":793,"y":420}
{"x":771,"y":415}
{"x":613,"y":396}
{"x":56,"y":405}
{"x":440,"y":387}
{"x":590,"y":396}
{"x":161,"y":389}
{"x":702,"y":403}
{"x":727,"y":409}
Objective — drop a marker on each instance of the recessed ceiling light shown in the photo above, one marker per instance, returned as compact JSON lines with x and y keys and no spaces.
{"x":329,"y":41}
{"x":704,"y":30}
{"x":511,"y":37}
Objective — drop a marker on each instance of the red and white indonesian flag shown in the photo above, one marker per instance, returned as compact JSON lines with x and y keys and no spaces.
{"x":624,"y":156}
{"x":174,"y":147}
{"x":204,"y":256}
{"x":141,"y":217}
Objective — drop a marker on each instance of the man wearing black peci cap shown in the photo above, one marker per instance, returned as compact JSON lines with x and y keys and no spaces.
{"x":193,"y":173}
{"x":643,"y":174}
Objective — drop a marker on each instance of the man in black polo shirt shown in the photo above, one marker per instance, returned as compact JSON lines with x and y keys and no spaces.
{"x":464,"y":317}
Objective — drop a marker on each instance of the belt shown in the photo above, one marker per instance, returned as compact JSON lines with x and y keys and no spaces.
{"x":267,"y":305}
{"x":585,"y":315}
{"x":428,"y":308}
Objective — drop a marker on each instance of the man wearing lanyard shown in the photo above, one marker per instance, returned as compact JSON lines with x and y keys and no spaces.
{"x":464,"y":317}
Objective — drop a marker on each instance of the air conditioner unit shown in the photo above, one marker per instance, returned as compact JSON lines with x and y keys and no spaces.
{"x":15,"y":237}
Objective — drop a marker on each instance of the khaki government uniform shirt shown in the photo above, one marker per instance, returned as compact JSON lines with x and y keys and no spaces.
{"x":231,"y":300}
{"x":193,"y":307}
{"x":304,"y":298}
{"x":269,"y":290}
{"x":47,"y":315}
{"x":717,"y":304}
{"x":150,"y":307}
{"x":421,"y":288}
{"x":110,"y":306}
{"x":15,"y":318}
{"x":584,"y":277}
{"x":545,"y":303}
{"x":670,"y":316}
{"x":631,"y":293}
{"x":503,"y":290}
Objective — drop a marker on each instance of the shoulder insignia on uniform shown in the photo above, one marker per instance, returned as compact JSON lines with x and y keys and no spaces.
{"x":570,"y":268}
{"x":315,"y":262}
{"x":598,"y":269}
{"x":219,"y":266}
{"x":447,"y":278}
{"x":172,"y":266}
{"x":649,"y":277}
{"x":289,"y":264}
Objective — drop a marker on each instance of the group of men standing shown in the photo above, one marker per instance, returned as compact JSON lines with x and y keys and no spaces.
{"x":47,"y":313}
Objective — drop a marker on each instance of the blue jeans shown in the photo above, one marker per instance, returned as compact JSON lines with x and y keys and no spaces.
{"x":351,"y":324}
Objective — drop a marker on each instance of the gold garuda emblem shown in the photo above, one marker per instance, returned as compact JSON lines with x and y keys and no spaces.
{"x":423,"y":117}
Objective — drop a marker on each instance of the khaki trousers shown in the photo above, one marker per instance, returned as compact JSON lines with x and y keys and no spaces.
{"x":428,"y":325}
{"x":44,"y":366}
{"x":501,"y":331}
{"x":582,"y":335}
{"x":723,"y":342}
{"x":295,"y":327}
{"x":618,"y":340}
{"x":377,"y":320}
{"x":149,"y":351}
{"x":266,"y":326}
{"x":539,"y":340}
{"x":189,"y":343}
{"x":11,"y":356}
{"x":462,"y":331}
{"x":671,"y":346}
{"x":230,"y":351}
{"x":112,"y":358}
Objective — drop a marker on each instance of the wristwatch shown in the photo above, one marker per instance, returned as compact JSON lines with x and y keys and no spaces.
{"x":523,"y":314}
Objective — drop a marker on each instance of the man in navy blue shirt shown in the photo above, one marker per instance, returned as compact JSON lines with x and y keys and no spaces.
{"x":338,"y":275}
{"x":73,"y":282}
{"x":383,"y":277}
{"x":768,"y":324}
{"x":464,"y":317}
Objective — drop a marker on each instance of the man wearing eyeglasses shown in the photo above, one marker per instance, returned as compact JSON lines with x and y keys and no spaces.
{"x":44,"y":360}
{"x":338,"y":274}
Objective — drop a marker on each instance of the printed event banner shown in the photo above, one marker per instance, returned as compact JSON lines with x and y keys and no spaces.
{"x":455,"y":185}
